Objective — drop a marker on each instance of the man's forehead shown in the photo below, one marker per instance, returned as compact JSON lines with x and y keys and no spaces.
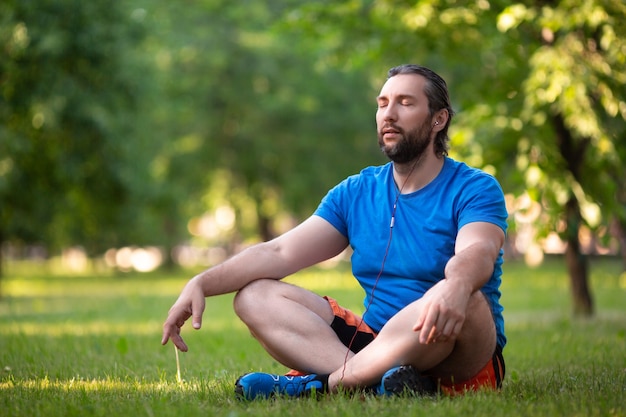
{"x":403,"y":85}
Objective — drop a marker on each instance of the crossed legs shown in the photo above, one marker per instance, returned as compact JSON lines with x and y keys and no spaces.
{"x":293,"y":325}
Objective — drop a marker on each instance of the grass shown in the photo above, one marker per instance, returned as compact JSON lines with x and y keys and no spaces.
{"x":89,"y":346}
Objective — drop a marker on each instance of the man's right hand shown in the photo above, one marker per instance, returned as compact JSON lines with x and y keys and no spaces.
{"x":190,"y":303}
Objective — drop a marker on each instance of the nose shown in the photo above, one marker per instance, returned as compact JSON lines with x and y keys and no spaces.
{"x":388,"y":113}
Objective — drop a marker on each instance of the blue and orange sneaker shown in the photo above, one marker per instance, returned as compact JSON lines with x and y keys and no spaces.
{"x":406,"y":380}
{"x":261,"y":385}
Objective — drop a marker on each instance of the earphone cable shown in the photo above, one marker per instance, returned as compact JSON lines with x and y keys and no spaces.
{"x":380,"y":272}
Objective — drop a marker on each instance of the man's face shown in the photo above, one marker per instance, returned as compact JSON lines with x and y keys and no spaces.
{"x":403,"y":119}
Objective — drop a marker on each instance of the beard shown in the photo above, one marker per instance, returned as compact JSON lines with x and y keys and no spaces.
{"x":410,"y":147}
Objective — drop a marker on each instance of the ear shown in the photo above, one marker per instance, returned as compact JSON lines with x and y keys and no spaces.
{"x":440,"y":120}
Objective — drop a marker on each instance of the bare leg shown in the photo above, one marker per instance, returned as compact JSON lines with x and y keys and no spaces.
{"x":292,"y":324}
{"x":397,"y":344}
{"x":473,"y":348}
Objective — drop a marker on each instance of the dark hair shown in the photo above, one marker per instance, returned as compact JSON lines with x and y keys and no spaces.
{"x":436,"y":91}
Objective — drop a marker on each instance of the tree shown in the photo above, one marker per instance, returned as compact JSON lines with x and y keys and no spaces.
{"x":575,"y":84}
{"x":539,"y":86}
{"x":121,"y":120}
{"x":70,"y":167}
{"x":254,"y":107}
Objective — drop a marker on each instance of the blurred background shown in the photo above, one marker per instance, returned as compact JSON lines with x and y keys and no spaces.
{"x":145,"y":134}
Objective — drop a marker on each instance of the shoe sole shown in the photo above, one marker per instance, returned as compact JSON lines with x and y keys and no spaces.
{"x":408,"y":381}
{"x":239,"y":391}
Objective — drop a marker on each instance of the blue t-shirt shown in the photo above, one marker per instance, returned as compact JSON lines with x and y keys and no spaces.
{"x":424,"y":233}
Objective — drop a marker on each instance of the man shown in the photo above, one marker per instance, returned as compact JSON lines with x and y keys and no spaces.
{"x":426,"y":233}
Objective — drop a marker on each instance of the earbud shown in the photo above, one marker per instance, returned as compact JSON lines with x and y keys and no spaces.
{"x":436,"y":123}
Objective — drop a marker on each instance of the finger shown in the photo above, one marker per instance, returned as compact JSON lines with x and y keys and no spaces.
{"x":165,"y":338}
{"x":448,"y":330}
{"x":172,"y":332}
{"x":457,"y":329}
{"x":419,"y":323}
{"x":171,"y":328}
{"x":167,"y":331}
{"x":434,"y":335}
{"x":197,"y":309}
{"x":179,"y":343}
{"x":428,"y":331}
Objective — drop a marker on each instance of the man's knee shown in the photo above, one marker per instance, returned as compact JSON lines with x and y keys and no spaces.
{"x":479,"y":323}
{"x":265,"y":298}
{"x":480,"y":314}
{"x":475,"y":345}
{"x":251,"y":298}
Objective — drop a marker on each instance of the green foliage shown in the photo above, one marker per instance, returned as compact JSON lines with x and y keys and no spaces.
{"x":520,"y":75}
{"x":67,"y":110}
{"x":247,"y":99}
{"x":89,"y":345}
{"x":120,"y":122}
{"x":539,"y":92}
{"x":575,"y":84}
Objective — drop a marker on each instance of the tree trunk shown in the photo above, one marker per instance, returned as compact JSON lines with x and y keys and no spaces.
{"x":576,"y":261}
{"x":170,"y":233}
{"x":265,"y":227}
{"x":1,"y":263}
{"x":618,"y":230}
{"x":573,"y":152}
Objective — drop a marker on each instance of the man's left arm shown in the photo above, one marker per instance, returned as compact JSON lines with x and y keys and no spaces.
{"x":477,"y":247}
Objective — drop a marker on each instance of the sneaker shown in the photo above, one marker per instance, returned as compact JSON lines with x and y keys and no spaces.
{"x":405,"y":380}
{"x":260,"y":385}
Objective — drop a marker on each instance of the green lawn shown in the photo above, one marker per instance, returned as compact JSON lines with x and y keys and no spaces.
{"x":90,"y":345}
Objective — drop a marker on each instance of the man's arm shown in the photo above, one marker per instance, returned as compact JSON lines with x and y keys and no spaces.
{"x":476,"y":249}
{"x":312,"y":241}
